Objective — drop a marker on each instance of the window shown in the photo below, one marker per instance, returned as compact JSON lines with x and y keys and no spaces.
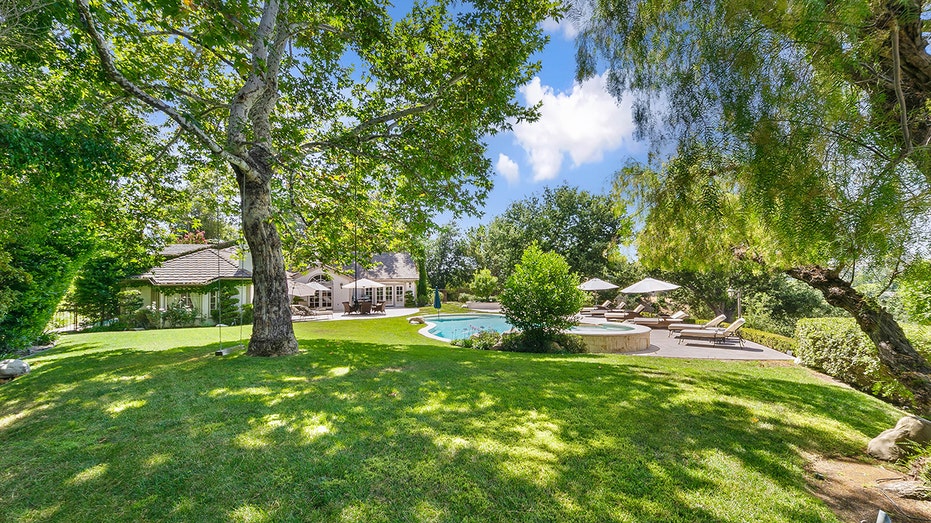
{"x":379,"y":294}
{"x":185,"y":299}
{"x":389,"y":294}
{"x":321,"y":299}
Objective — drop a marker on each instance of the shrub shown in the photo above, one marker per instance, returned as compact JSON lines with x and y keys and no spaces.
{"x":46,"y":338}
{"x":409,"y":301}
{"x":541,"y":297}
{"x":130,"y":300}
{"x":482,"y":340}
{"x":771,"y":340}
{"x":915,"y":292}
{"x":484,"y":284}
{"x":180,"y":314}
{"x":228,"y":311}
{"x":837,"y":347}
{"x":146,"y":318}
{"x":559,"y":342}
{"x":247,"y":314}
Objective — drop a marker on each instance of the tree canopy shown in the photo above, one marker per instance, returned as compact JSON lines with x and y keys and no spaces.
{"x":337,"y":122}
{"x":580,"y":226}
{"x":800,"y":132}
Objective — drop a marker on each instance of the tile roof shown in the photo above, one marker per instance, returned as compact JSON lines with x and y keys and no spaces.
{"x":388,"y":266}
{"x":173,"y":250}
{"x":196,"y":268}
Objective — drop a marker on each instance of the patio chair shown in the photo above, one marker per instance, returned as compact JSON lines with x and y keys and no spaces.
{"x":715,"y":334}
{"x":379,"y":307}
{"x":676,"y":328}
{"x":624,"y":315}
{"x":347,"y":308}
{"x":365,"y":307}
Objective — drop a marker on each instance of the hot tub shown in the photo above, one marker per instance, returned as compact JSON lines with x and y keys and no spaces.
{"x":613,"y":338}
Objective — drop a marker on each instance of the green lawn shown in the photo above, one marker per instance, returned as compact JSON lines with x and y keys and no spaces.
{"x":373,"y":422}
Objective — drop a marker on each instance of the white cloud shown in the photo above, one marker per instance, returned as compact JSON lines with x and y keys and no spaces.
{"x":584,"y":123}
{"x":508,"y":168}
{"x":566,"y":26}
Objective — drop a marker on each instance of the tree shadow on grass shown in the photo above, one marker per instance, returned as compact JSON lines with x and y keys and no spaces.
{"x":358,"y":431}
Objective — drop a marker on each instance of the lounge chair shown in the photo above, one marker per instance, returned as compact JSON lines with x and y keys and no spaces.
{"x":302,"y":313}
{"x":715,"y":334}
{"x":624,"y":315}
{"x":597,"y":310}
{"x":676,"y":328}
{"x":660,"y":322}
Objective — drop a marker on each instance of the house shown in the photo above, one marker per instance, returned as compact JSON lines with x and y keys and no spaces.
{"x":396,"y":271}
{"x":189,"y":275}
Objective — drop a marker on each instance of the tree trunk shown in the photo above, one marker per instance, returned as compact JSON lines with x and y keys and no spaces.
{"x":895,"y":351}
{"x":272,"y":332}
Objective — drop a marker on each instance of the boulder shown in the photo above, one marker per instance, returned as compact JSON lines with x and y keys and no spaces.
{"x":887,"y":447}
{"x":13,"y":368}
{"x":416,"y":320}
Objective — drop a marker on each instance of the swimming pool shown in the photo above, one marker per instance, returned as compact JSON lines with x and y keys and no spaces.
{"x":598,"y":338}
{"x":460,"y":326}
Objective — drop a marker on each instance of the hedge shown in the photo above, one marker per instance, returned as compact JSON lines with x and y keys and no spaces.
{"x":770,"y":339}
{"x":837,"y":347}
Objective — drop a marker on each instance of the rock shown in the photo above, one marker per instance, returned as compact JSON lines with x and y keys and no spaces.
{"x":416,"y":320}
{"x":908,"y":429}
{"x":13,"y":368}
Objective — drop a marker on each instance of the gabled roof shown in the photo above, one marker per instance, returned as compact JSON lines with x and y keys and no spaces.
{"x":388,"y":266}
{"x":200,"y":267}
{"x":173,"y":250}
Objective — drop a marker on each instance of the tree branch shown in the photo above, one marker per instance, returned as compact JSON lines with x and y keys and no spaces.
{"x":194,"y":40}
{"x":102,"y":49}
{"x":897,"y":81}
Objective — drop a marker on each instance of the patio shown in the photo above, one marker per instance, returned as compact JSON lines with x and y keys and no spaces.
{"x":664,"y":346}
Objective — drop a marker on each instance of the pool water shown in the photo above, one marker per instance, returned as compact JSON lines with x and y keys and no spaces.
{"x":463,"y":326}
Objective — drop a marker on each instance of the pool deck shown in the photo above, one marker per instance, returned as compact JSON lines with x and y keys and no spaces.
{"x":663,"y":345}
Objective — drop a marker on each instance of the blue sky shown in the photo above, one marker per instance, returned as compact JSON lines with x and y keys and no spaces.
{"x":583,"y":136}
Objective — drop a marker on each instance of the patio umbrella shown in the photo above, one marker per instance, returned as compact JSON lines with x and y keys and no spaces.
{"x":597,"y":284}
{"x":363,"y":283}
{"x":649,"y":285}
{"x":436,"y":300}
{"x":296,"y":288}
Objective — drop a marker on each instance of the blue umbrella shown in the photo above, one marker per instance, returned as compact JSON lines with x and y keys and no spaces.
{"x":436,"y":300}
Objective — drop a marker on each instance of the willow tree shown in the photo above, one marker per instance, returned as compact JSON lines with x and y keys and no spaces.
{"x":306,"y":102}
{"x":801,"y":132}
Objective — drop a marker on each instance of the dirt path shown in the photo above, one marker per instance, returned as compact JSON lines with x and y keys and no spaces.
{"x":852,"y":491}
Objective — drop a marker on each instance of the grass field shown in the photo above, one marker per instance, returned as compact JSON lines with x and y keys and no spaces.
{"x":372,"y":422}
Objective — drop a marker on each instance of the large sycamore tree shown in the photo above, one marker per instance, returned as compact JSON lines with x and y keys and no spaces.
{"x":325,"y":105}
{"x":799,"y":134}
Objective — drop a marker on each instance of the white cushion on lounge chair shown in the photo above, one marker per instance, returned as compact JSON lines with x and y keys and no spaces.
{"x":710,"y":325}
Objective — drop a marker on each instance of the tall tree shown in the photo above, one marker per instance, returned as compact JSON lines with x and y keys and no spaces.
{"x":446,"y":260}
{"x":579,"y":226}
{"x":801,"y":131}
{"x":66,"y":171}
{"x":310,"y":103}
